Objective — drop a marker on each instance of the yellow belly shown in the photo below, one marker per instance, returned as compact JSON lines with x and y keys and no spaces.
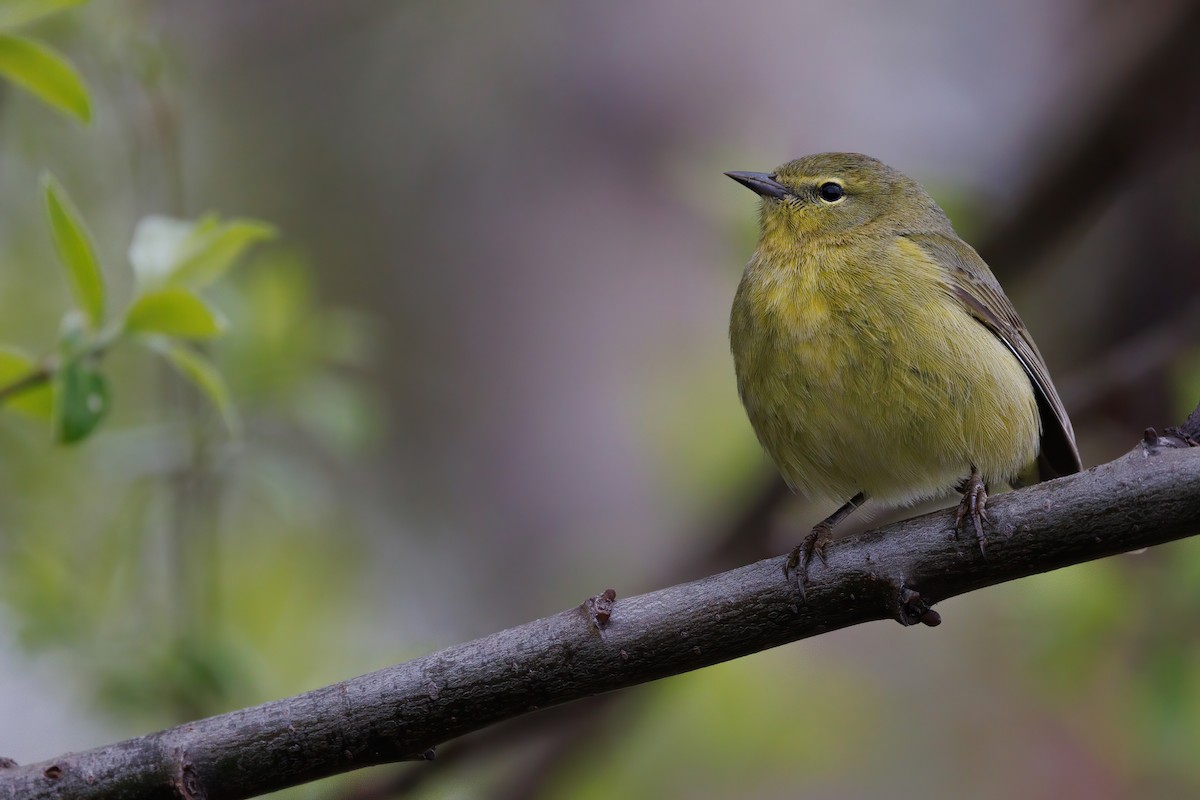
{"x":876,"y":381}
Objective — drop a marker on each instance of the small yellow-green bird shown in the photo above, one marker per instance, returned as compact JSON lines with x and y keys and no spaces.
{"x":876,"y":354}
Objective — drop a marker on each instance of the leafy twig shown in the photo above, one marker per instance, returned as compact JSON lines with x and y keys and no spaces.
{"x":39,"y":376}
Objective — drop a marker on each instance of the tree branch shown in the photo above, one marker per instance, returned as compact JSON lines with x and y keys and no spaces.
{"x":1147,"y":497}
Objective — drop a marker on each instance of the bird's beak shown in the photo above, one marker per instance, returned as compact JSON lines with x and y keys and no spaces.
{"x":759,"y":183}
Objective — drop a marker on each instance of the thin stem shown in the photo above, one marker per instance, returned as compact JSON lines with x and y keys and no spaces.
{"x":49,"y":366}
{"x":39,"y":376}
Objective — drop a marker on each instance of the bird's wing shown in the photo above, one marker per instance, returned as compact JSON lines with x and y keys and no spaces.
{"x":974,"y":285}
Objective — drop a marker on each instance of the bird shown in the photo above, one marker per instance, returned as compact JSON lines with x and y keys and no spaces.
{"x":877,"y":356}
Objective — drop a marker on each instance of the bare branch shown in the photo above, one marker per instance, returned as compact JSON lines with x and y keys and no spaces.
{"x":1149,"y":496}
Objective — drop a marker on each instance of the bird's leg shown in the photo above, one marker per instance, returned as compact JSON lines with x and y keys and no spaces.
{"x":973,"y":504}
{"x":814,"y":544}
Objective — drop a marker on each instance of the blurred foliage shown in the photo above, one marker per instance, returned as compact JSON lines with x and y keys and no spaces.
{"x":745,"y":728}
{"x":182,"y":568}
{"x":165,"y":313}
{"x":1113,"y":651}
{"x":91,"y":531}
{"x":36,"y":67}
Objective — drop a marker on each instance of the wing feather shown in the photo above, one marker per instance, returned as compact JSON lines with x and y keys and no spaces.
{"x":973,"y":284}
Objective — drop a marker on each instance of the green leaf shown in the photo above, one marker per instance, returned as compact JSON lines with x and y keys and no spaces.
{"x":44,"y":72}
{"x":201,"y":372}
{"x":158,"y":242}
{"x":212,"y":249}
{"x":166,"y":250}
{"x":20,"y":12}
{"x":75,"y":251}
{"x":36,"y":401}
{"x":174,"y":312}
{"x":80,"y":399}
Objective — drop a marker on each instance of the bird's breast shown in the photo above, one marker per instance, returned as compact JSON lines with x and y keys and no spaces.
{"x":859,"y":374}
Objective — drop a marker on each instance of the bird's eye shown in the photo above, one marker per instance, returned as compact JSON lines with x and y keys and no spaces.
{"x":831,"y":192}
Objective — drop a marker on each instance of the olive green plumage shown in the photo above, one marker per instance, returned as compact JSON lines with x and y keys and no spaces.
{"x":875,"y":351}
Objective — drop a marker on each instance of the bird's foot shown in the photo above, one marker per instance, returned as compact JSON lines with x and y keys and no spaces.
{"x":796,"y":566}
{"x":973,"y":505}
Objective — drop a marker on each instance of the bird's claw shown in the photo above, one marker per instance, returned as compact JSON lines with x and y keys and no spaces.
{"x":973,"y":505}
{"x":796,"y":565}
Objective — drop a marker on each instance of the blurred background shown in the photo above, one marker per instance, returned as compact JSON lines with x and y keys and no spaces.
{"x":484,"y":374}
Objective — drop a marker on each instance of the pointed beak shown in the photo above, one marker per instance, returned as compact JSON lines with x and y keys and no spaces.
{"x":760,"y":183}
